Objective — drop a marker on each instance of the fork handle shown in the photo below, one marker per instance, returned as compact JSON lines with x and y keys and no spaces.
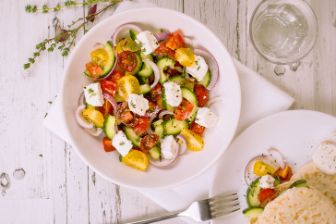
{"x":156,"y":219}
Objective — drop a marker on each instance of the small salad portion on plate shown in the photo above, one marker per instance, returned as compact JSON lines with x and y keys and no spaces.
{"x":148,"y":96}
{"x":265,"y":175}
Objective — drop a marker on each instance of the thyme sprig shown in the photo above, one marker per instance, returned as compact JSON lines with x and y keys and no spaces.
{"x":45,"y":8}
{"x":64,"y":39}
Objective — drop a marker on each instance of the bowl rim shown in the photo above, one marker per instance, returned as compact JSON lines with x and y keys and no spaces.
{"x":234,"y":74}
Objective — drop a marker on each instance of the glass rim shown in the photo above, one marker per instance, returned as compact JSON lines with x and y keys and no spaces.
{"x":301,"y":56}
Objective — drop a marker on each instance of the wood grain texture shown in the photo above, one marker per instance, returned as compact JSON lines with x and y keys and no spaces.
{"x":58,"y":187}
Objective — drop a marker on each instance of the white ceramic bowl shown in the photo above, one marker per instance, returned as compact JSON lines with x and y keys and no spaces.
{"x":189,"y":165}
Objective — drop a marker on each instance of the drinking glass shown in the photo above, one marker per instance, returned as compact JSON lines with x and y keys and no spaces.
{"x":283,"y":32}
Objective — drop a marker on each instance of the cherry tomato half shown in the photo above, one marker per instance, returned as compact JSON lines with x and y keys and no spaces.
{"x":202,"y":95}
{"x":94,"y":69}
{"x":266,"y":195}
{"x":175,"y":41}
{"x":149,"y":141}
{"x":127,"y":61}
{"x":198,"y":129}
{"x":183,"y":111}
{"x":107,"y":144}
{"x":163,"y":51}
{"x":141,"y":125}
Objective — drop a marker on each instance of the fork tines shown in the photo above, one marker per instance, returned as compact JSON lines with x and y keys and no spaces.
{"x":224,"y":204}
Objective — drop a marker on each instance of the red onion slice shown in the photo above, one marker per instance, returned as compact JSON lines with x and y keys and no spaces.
{"x":155,"y":70}
{"x":98,"y":45}
{"x":160,"y":36}
{"x":277,"y":156}
{"x":165,"y":163}
{"x":81,"y":99}
{"x":183,"y":147}
{"x":94,"y":131}
{"x":165,"y":112}
{"x":80,"y":119}
{"x":188,"y":40}
{"x":215,"y":100}
{"x":112,"y":101}
{"x":121,"y":29}
{"x":213,"y":66}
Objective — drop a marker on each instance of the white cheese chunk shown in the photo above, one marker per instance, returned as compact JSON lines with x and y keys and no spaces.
{"x":324,"y":157}
{"x":266,"y":181}
{"x":198,"y":69}
{"x":121,"y":143}
{"x":148,"y":42}
{"x":138,"y":104}
{"x":94,"y":95}
{"x":205,"y":117}
{"x":169,"y":147}
{"x":173,"y":93}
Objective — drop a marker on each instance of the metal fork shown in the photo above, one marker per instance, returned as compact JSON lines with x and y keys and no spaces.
{"x":203,"y":210}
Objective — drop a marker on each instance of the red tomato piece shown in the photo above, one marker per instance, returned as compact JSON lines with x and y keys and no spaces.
{"x":198,"y":129}
{"x":149,"y":141}
{"x":156,"y":92}
{"x":127,"y":61}
{"x":183,"y":111}
{"x":163,"y":51}
{"x":106,"y":108}
{"x":202,"y":95}
{"x":94,"y":69}
{"x":115,"y":76}
{"x":267,"y":195}
{"x":107,"y":144}
{"x":109,"y":87}
{"x":175,"y":41}
{"x":141,"y":125}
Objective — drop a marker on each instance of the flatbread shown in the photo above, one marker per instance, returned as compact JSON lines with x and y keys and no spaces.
{"x":318,"y":180}
{"x":299,"y":205}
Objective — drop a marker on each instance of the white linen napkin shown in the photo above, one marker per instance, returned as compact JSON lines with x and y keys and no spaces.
{"x":260,"y":98}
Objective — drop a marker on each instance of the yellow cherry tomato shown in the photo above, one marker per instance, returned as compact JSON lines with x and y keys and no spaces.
{"x":261,"y":168}
{"x":194,"y":141}
{"x":127,"y":44}
{"x":136,"y":159}
{"x":94,"y":116}
{"x":127,"y":85}
{"x":185,"y":56}
{"x":100,"y":56}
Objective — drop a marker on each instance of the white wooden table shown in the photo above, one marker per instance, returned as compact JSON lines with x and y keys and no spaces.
{"x":57,"y":186}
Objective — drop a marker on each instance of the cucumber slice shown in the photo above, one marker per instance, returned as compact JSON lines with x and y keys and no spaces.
{"x":110,"y":62}
{"x":158,"y":128}
{"x":146,"y":70}
{"x":132,"y":136}
{"x":253,"y":194}
{"x":145,"y":88}
{"x":183,"y":82}
{"x":299,"y":183}
{"x":162,"y":64}
{"x":155,"y":153}
{"x":109,"y":126}
{"x":132,"y":34}
{"x":143,"y":80}
{"x":190,"y":96}
{"x":253,"y":212}
{"x":174,"y":127}
{"x":137,"y":67}
{"x":206,"y":80}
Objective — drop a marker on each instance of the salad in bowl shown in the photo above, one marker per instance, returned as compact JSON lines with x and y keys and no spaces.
{"x":148,"y":97}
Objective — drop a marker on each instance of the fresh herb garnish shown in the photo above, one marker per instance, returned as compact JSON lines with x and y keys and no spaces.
{"x":133,"y":104}
{"x":64,"y":38}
